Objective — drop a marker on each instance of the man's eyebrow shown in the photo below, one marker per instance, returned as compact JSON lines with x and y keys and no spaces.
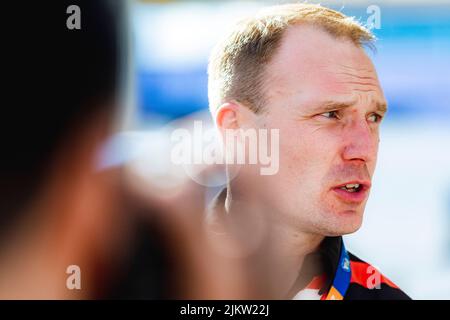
{"x":330,"y":105}
{"x":381,"y":107}
{"x":337,"y":105}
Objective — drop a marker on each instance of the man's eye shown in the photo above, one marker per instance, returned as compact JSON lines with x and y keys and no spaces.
{"x":330,"y":114}
{"x":374,"y":117}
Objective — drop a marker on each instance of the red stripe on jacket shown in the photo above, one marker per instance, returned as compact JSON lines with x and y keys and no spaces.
{"x":367,"y":276}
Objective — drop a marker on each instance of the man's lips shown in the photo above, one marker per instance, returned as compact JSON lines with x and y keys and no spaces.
{"x":356,"y":194}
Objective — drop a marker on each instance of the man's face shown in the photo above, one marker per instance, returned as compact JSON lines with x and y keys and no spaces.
{"x":325,"y":98}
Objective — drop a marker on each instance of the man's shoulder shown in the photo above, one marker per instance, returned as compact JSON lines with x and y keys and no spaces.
{"x":367,"y":283}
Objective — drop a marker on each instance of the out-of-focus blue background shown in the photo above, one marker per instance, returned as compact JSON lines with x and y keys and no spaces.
{"x":406,"y":232}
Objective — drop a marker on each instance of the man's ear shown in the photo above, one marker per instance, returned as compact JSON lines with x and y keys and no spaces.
{"x":227,"y":116}
{"x":233,"y":115}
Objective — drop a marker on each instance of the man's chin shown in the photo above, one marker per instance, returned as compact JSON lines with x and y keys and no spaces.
{"x":344,"y":222}
{"x":335,"y":232}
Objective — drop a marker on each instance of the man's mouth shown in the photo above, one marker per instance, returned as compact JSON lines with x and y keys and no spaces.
{"x":352,"y":187}
{"x":352,"y":191}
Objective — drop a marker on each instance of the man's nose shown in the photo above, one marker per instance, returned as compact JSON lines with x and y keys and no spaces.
{"x":360,"y":142}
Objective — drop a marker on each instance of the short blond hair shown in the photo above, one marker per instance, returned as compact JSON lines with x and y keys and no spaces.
{"x":237,"y":63}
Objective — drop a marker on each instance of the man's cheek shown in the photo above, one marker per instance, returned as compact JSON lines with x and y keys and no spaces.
{"x":303,"y":152}
{"x":298,"y":169}
{"x":293,"y":156}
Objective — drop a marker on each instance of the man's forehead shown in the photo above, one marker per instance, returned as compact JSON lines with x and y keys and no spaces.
{"x":307,"y":50}
{"x":311,"y":63}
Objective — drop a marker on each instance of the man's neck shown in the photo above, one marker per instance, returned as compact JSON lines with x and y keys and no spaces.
{"x":274,"y":248}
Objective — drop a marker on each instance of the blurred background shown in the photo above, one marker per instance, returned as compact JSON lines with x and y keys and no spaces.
{"x":407,"y":221}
